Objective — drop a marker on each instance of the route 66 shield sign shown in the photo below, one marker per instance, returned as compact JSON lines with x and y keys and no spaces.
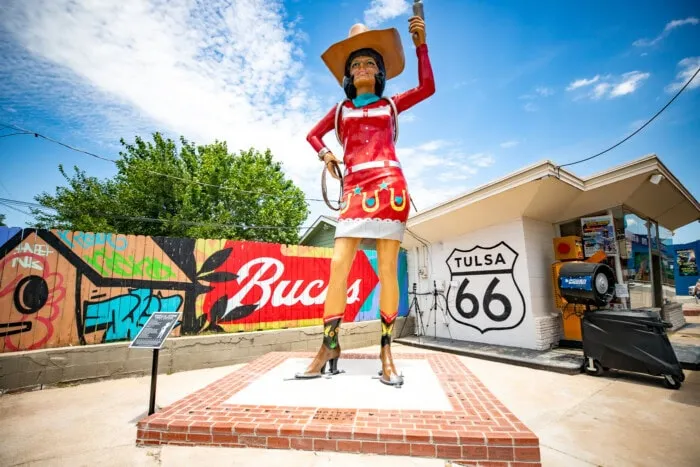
{"x":487,"y":297}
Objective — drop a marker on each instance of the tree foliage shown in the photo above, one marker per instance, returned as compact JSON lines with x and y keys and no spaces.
{"x":2,"y":220}
{"x":155,"y":192}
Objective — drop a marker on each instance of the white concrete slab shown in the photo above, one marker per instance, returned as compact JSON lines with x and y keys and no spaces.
{"x":581,"y":421}
{"x":355,"y":388}
{"x":176,"y":456}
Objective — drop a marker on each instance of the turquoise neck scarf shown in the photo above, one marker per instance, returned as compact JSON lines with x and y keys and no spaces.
{"x":365,"y":99}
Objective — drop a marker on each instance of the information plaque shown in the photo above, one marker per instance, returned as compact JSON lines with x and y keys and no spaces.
{"x":153,"y":334}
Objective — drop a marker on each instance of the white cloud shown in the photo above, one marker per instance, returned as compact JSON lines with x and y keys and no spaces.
{"x":670,"y":26}
{"x":221,"y":70}
{"x":579,"y":83}
{"x":433,"y":145}
{"x":630,"y":83}
{"x":689,"y":66}
{"x":609,"y":86}
{"x":230,"y":71}
{"x":437,"y":170}
{"x":431,"y":160}
{"x":32,"y":85}
{"x":599,"y":90}
{"x":482,"y":160}
{"x":383,"y":10}
{"x":540,"y":92}
{"x":407,"y":117}
{"x":509,"y":144}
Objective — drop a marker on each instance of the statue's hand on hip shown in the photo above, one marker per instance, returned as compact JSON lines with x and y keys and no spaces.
{"x":416,"y":26}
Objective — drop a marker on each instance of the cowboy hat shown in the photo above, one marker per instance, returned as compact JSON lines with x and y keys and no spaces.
{"x":386,"y":42}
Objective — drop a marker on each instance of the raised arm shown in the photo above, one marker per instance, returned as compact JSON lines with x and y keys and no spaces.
{"x":326,"y":124}
{"x":426,"y":82}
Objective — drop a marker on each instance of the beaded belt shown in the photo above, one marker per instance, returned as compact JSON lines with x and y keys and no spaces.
{"x":371,"y":165}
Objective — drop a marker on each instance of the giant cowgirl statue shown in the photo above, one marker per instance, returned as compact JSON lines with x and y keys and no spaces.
{"x":375,"y":200}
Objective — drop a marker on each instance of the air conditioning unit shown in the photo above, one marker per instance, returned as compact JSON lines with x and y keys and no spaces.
{"x":586,"y":283}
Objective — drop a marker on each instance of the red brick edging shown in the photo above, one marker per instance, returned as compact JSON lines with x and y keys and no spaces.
{"x":479,"y":431}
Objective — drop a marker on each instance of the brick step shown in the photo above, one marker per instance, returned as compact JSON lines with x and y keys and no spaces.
{"x":478,"y":431}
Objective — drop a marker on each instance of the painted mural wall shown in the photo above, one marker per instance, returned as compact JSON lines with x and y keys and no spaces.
{"x":486,"y":294}
{"x":685,"y":265}
{"x":63,"y":288}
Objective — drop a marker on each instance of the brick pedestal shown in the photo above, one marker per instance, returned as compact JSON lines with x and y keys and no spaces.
{"x":478,"y":431}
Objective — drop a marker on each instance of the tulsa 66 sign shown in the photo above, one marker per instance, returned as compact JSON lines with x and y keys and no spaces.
{"x":486,"y":297}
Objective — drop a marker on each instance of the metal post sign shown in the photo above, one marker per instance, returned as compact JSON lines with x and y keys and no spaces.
{"x":153,"y":334}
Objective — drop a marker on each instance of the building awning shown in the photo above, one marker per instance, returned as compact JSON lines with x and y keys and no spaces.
{"x":544,"y":192}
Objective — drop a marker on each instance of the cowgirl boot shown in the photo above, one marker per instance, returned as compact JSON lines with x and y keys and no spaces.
{"x":388,"y":375}
{"x":328,"y":353}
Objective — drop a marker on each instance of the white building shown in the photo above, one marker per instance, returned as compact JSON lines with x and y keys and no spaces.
{"x":491,"y":250}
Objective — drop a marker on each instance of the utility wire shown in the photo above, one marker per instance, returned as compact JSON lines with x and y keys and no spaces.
{"x":15,"y":209}
{"x":23,"y":131}
{"x":14,"y":134}
{"x":8,"y":202}
{"x":638,"y":129}
{"x":39,"y":135}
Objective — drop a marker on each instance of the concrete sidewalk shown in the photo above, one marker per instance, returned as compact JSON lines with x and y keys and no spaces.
{"x":581,"y":420}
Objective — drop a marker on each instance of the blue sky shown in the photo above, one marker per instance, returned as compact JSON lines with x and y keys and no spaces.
{"x":517,"y":82}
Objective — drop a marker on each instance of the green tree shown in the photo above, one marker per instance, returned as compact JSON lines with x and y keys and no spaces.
{"x":2,"y":220}
{"x":157,"y":180}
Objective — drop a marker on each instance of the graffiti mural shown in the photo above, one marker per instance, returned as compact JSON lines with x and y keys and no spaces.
{"x":62,"y":288}
{"x":123,"y":316}
{"x":486,"y":296}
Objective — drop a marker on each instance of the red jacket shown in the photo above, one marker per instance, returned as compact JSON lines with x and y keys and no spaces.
{"x":367,"y":133}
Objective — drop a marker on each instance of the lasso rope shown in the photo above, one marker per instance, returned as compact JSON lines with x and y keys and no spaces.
{"x":336,"y":169}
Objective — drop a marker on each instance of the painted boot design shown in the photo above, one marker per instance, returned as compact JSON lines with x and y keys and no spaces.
{"x":328,"y":353}
{"x":388,"y":374}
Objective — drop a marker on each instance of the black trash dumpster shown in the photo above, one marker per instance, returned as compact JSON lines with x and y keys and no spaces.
{"x":629,"y":340}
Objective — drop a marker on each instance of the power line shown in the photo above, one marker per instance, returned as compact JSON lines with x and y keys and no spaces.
{"x":15,"y":134}
{"x":15,"y":209}
{"x":638,"y":129}
{"x":39,"y":135}
{"x":152,"y":172}
{"x":8,"y":202}
{"x":23,"y":131}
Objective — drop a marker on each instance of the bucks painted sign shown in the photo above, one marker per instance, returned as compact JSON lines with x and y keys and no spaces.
{"x":487,"y":297}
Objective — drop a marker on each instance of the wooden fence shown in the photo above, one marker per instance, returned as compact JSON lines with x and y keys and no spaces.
{"x":62,"y":288}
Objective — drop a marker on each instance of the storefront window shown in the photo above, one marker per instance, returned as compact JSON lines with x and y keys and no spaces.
{"x":636,"y":264}
{"x":667,"y":263}
{"x":569,"y":229}
{"x":644,"y":248}
{"x":653,"y":236}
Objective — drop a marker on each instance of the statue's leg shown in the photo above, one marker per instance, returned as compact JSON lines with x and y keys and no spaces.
{"x":387,"y":260}
{"x":334,"y":309}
